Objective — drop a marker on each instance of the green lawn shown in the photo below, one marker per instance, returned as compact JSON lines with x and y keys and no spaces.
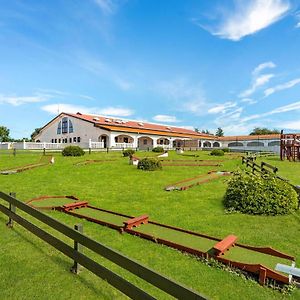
{"x":31,"y":269}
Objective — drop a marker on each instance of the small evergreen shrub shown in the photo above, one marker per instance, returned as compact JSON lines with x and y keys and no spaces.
{"x":217,"y":152}
{"x":158,"y":149}
{"x":128,"y":152}
{"x":225,"y":150}
{"x":259,"y":195}
{"x":73,"y":151}
{"x":149,"y":164}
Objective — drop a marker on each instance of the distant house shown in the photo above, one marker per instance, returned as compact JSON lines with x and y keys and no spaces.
{"x":118,"y":133}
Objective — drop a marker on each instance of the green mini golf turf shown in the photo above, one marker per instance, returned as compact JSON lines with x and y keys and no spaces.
{"x":203,"y":244}
{"x":101,"y":215}
{"x":195,"y":180}
{"x":188,"y":240}
{"x":51,"y":202}
{"x":253,"y":257}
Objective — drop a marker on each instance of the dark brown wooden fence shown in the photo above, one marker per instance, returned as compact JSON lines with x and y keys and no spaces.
{"x":80,"y":240}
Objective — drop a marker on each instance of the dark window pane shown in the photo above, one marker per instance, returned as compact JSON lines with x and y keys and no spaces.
{"x":59,"y":128}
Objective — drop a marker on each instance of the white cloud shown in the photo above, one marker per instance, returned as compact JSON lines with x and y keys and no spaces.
{"x":101,"y":69}
{"x":257,"y":82}
{"x":261,"y":67}
{"x":297,"y":25}
{"x":20,"y":100}
{"x":221,"y":108}
{"x":248,"y":100}
{"x":70,"y":108}
{"x":249,"y":17}
{"x":294,"y":125}
{"x":108,"y":7}
{"x":187,"y":96}
{"x":281,"y":87}
{"x":165,"y":118}
{"x":282,"y":109}
{"x":115,"y":111}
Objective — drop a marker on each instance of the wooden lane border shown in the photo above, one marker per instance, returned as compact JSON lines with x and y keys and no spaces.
{"x":213,"y":174}
{"x":27,"y":167}
{"x":252,"y":268}
{"x":92,"y":161}
{"x":191,"y":165}
{"x":165,"y":284}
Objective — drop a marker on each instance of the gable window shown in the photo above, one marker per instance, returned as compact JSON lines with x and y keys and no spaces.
{"x":59,"y":128}
{"x":70,"y":126}
{"x":65,"y":125}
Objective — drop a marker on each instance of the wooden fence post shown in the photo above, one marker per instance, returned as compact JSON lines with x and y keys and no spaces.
{"x":12,"y":208}
{"x":77,"y":247}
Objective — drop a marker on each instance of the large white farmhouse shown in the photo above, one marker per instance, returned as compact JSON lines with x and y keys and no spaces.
{"x":117,"y":133}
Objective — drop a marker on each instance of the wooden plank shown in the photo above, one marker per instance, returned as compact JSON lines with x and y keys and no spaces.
{"x":164,"y":283}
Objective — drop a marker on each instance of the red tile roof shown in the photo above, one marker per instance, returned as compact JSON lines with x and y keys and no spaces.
{"x":250,"y":137}
{"x":136,"y":126}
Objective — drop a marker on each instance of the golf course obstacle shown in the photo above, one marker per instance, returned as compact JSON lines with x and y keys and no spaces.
{"x":200,"y":179}
{"x":260,"y":261}
{"x":290,"y":146}
{"x":44,"y":160}
{"x":92,"y":161}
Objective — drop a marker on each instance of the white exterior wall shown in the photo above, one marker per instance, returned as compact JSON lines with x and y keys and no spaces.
{"x":81,"y":128}
{"x":245,"y":146}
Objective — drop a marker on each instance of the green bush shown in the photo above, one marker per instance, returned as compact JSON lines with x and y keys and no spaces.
{"x":149,"y":164}
{"x":128,"y":152}
{"x":260,"y":195}
{"x":217,"y":152}
{"x":225,"y":150}
{"x":72,"y":151}
{"x":158,"y":149}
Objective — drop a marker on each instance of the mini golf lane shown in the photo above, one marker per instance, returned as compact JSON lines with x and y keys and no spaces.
{"x":45,"y":160}
{"x":200,"y":179}
{"x":260,"y":261}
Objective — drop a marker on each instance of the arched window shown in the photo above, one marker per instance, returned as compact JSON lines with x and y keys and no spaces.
{"x":70,"y":126}
{"x":274,"y":143}
{"x":235,"y":144}
{"x":255,"y":144}
{"x":64,"y":125}
{"x":59,"y":128}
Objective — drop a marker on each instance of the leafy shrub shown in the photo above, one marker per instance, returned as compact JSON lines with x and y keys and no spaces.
{"x":225,"y":150}
{"x":158,"y":149}
{"x":217,"y":152}
{"x":259,"y":195}
{"x":149,"y":164}
{"x":72,"y":151}
{"x":128,"y":152}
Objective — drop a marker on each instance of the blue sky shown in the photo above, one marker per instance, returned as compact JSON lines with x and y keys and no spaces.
{"x":233,"y":64}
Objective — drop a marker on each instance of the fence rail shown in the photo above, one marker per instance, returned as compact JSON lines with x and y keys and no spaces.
{"x":165,"y":284}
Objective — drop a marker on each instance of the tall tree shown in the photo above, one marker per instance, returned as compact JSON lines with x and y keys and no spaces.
{"x":4,"y":134}
{"x":263,"y":130}
{"x":196,"y":129}
{"x":219,"y":132}
{"x":36,"y":132}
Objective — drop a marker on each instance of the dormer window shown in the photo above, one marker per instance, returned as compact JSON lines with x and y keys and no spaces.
{"x":141,"y":124}
{"x":96,"y":119}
